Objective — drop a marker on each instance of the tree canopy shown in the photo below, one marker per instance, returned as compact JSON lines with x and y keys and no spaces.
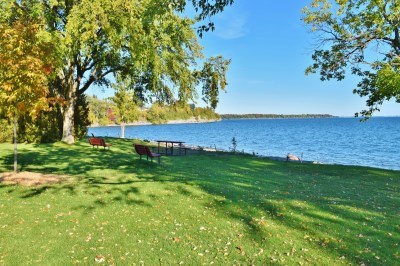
{"x":361,"y":37}
{"x":25,"y":63}
{"x":147,"y":40}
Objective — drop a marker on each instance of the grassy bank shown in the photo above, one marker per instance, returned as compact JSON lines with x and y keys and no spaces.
{"x":211,"y":209}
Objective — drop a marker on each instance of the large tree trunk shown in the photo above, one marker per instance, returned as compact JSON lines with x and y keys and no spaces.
{"x":68,"y":122}
{"x":68,"y":114}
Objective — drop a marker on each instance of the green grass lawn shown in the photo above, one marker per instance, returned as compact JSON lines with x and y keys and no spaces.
{"x":197,"y":209}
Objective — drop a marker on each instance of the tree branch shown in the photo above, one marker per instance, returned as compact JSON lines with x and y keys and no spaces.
{"x":94,"y":77}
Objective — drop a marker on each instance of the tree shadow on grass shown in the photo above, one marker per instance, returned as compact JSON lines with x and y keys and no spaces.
{"x":312,"y":200}
{"x":115,"y":176}
{"x":89,"y":166}
{"x":325,"y":199}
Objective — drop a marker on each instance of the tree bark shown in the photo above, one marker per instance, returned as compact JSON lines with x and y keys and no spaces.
{"x":68,"y":122}
{"x":15,"y":145}
{"x":68,"y":115}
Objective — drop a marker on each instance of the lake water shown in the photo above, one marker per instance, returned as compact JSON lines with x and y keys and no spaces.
{"x":373,"y":143}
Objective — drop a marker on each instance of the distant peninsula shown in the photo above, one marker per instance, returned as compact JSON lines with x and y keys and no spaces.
{"x":255,"y":116}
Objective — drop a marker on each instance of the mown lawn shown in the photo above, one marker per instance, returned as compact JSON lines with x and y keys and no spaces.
{"x":193,"y":210}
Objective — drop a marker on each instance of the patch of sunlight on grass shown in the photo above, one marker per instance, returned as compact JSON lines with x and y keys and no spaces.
{"x":263,"y":163}
{"x":358,"y":211}
{"x":380,"y":173}
{"x":324,"y":215}
{"x":242,"y":185}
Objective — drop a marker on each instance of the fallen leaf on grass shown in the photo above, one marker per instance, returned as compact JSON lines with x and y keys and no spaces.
{"x":99,"y":259}
{"x":176,"y":239}
{"x":241,"y":250}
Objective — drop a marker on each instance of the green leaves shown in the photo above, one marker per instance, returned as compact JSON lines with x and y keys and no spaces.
{"x":125,"y":101}
{"x":94,"y":40}
{"x":26,"y":61}
{"x":382,"y":85}
{"x":213,"y":79}
{"x":388,"y":81}
{"x":362,"y":34}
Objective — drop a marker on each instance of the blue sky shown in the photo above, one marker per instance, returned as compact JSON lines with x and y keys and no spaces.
{"x":270,"y":47}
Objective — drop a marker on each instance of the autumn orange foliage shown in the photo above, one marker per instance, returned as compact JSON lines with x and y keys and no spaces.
{"x":25,"y":65}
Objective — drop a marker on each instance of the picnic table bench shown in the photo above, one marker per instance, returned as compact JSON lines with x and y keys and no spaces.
{"x":99,"y":142}
{"x":172,"y":143}
{"x":145,"y":151}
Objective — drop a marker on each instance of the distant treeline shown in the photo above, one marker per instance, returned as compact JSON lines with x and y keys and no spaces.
{"x":106,"y":111}
{"x":247,"y":116}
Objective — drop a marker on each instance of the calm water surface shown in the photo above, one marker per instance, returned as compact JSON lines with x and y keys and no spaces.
{"x":336,"y":140}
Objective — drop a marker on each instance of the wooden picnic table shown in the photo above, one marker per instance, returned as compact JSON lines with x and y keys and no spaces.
{"x":172,"y":145}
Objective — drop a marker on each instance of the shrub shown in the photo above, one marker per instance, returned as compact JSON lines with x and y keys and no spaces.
{"x":157,"y":114}
{"x":47,"y":127}
{"x":6,"y":131}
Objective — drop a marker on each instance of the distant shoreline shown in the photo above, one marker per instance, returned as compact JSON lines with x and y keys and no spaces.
{"x":170,"y":122}
{"x":274,"y":116}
